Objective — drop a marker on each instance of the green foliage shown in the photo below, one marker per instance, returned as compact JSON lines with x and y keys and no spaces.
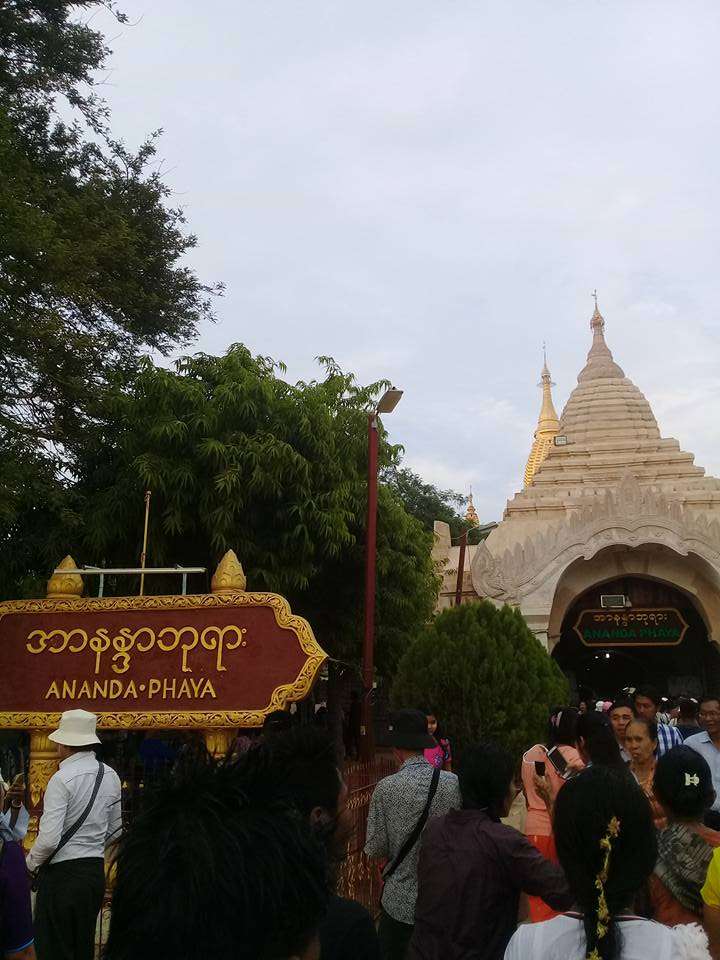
{"x":425,"y":501}
{"x":428,"y":503}
{"x":92,"y":259}
{"x":236,"y":457}
{"x":484,"y":674}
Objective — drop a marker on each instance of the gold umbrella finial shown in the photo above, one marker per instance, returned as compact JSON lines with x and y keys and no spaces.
{"x":229,"y":577}
{"x":65,"y":585}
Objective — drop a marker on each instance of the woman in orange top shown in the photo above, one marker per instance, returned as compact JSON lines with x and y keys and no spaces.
{"x":641,"y":743}
{"x":538,"y":825}
{"x":684,"y":788}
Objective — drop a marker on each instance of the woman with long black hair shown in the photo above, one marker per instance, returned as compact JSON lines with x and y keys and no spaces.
{"x":596,"y":741}
{"x":607,"y":847}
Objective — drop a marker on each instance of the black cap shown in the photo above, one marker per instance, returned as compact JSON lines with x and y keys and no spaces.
{"x":408,"y":731}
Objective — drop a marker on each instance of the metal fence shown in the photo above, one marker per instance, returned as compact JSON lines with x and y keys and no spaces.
{"x":359,"y":878}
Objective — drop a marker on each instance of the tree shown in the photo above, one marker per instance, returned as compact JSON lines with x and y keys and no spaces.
{"x":92,"y":269}
{"x":236,"y":457}
{"x":425,"y":501}
{"x":484,"y":674}
{"x":429,"y":503}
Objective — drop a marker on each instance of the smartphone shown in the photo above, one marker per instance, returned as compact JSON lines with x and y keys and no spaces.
{"x":540,"y":768}
{"x":559,"y":762}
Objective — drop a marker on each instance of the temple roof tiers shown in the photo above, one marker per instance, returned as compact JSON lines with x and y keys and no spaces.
{"x":610,"y":433}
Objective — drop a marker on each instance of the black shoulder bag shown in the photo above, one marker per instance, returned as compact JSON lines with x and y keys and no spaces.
{"x":71,"y":831}
{"x":414,"y":834}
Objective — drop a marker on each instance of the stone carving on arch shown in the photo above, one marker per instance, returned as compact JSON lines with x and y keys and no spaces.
{"x":628,"y":514}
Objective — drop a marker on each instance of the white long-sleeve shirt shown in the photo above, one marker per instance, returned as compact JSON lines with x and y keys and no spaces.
{"x":14,"y":831}
{"x":66,"y":797}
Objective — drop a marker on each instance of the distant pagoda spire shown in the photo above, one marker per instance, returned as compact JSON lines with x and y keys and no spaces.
{"x":600,"y":364}
{"x":471,"y":513}
{"x":548,"y":425}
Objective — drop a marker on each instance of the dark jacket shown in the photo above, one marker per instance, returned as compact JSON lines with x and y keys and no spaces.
{"x":348,"y":932}
{"x":472,"y":870}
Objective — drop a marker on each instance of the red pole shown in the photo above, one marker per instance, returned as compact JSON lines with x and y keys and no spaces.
{"x":367,"y":739}
{"x":461,"y":569}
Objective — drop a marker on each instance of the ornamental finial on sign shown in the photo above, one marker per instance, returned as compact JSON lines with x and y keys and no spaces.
{"x":229,"y":577}
{"x":65,"y":585}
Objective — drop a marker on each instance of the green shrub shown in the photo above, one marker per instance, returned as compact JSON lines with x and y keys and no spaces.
{"x":485,"y":674}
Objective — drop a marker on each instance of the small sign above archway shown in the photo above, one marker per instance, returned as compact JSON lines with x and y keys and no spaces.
{"x":661,"y":627}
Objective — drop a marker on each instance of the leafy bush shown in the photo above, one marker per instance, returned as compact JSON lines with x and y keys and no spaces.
{"x":484,"y":674}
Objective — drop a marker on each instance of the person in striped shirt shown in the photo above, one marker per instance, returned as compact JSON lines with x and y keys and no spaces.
{"x":647,"y":706}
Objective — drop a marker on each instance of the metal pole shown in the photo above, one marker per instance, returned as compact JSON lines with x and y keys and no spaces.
{"x":367,"y":739}
{"x":143,"y":555}
{"x":461,"y":569}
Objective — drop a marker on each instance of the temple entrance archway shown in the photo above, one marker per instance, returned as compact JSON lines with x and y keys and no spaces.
{"x":652,"y":577}
{"x":606,"y":666}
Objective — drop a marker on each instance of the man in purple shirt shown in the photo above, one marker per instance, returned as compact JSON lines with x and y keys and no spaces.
{"x":473,"y":868}
{"x":16,"y":931}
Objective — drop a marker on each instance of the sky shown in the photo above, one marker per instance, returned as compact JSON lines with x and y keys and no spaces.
{"x":428,"y":190}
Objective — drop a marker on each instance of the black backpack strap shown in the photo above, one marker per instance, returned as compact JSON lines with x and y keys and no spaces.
{"x":71,"y":831}
{"x":413,"y":837}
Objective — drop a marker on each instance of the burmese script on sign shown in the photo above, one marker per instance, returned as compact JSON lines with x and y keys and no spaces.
{"x":208,"y":658}
{"x":604,"y":628}
{"x":127,"y":643}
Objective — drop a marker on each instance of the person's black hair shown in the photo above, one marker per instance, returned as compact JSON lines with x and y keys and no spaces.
{"x":599,"y":740}
{"x":303,"y":767}
{"x":585,"y":810}
{"x":650,"y":693}
{"x":431,"y":712}
{"x":279,"y":721}
{"x":485,"y":773}
{"x":217,"y":866}
{"x":650,"y":725}
{"x":709,"y":698}
{"x":689,"y":708}
{"x":622,"y":703}
{"x":683,"y":784}
{"x":562,"y":726}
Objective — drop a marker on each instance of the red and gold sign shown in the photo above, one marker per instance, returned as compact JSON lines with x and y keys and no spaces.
{"x":212,"y":660}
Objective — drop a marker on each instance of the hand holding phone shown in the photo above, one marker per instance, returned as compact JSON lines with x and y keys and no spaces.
{"x":559,"y":762}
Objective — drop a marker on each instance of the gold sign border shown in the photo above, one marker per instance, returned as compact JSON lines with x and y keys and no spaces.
{"x":146,"y":720}
{"x":661,"y":643}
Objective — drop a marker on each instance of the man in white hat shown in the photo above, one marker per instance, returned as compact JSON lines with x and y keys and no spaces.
{"x":81,"y":817}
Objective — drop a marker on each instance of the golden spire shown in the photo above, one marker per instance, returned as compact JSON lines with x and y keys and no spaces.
{"x":65,"y":585}
{"x":229,"y":577}
{"x":548,"y":425}
{"x":471,"y":513}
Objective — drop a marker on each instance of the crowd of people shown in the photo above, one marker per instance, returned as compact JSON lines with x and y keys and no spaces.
{"x":615,"y":860}
{"x":598,"y":844}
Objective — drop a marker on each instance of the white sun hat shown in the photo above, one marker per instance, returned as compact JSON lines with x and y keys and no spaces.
{"x":77,"y":729}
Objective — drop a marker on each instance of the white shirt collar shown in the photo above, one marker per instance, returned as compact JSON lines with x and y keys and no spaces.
{"x":75,"y":757}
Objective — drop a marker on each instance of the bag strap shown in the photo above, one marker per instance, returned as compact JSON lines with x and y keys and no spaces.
{"x":71,"y":831}
{"x":414,"y":834}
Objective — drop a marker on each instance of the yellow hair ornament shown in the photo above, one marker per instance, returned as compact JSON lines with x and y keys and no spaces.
{"x":603,"y":912}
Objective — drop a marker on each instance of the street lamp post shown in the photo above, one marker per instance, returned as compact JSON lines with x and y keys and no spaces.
{"x":387,"y":404}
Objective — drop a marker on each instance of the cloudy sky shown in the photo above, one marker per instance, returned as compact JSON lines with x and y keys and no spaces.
{"x":428,"y":189}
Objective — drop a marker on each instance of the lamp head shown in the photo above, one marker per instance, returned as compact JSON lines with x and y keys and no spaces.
{"x":389,"y":400}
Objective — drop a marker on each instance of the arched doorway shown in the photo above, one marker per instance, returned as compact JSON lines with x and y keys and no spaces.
{"x":689,"y":667}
